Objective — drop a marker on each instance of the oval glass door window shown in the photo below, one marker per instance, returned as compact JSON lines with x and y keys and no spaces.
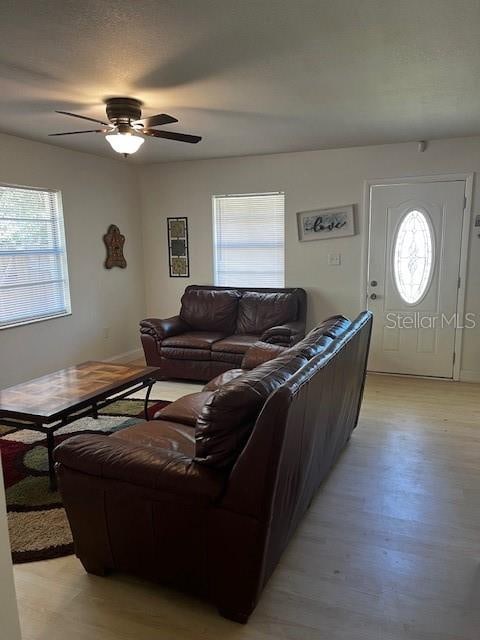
{"x":413,"y":257}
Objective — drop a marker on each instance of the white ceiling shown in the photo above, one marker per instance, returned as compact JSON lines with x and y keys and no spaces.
{"x":250,"y":76}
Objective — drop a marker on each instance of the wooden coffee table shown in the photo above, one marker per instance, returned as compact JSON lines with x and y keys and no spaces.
{"x":50,"y":402}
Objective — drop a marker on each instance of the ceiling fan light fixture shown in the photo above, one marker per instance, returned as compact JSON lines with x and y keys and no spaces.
{"x":126,"y":128}
{"x":125,"y":143}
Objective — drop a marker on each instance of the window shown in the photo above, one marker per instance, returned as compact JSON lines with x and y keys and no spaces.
{"x":413,"y":257}
{"x":249,"y":240}
{"x":33,"y":263}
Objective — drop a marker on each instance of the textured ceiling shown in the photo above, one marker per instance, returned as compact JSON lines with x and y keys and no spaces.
{"x":250,"y":76}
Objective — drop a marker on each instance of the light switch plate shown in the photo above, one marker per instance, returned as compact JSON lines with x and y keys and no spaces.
{"x":334,"y":259}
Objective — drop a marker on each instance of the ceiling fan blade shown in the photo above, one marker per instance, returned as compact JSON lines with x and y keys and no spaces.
{"x":72,"y":133}
{"x":172,"y":135}
{"x":74,"y":115}
{"x":156,"y":121}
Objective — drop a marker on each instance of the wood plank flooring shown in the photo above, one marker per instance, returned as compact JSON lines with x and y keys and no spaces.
{"x":390,"y":549}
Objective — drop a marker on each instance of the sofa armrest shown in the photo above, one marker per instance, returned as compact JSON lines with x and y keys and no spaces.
{"x":261,"y":352}
{"x":161,"y":329}
{"x":285,"y":334}
{"x":154,"y":468}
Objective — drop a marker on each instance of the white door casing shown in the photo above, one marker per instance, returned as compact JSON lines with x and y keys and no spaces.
{"x":415,"y":334}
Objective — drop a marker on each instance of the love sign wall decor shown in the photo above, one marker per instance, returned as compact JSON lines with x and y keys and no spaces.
{"x":321,"y":224}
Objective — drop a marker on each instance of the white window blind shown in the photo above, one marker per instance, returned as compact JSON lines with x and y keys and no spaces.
{"x":249,"y":240}
{"x":33,"y":264}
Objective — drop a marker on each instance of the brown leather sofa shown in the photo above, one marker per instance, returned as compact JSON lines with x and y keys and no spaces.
{"x":216,"y":326}
{"x":207,"y":496}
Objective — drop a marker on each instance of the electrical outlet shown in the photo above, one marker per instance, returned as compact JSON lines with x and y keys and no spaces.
{"x":334,"y":259}
{"x":106,"y":333}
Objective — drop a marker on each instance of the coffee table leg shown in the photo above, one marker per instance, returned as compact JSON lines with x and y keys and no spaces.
{"x":147,"y":397}
{"x":51,"y":468}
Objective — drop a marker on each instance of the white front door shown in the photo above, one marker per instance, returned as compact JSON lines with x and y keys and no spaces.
{"x":413,"y":276}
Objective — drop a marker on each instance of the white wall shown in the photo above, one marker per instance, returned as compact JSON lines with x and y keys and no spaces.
{"x":100,"y":191}
{"x":9,"y":627}
{"x":312,"y":179}
{"x":96,"y":192}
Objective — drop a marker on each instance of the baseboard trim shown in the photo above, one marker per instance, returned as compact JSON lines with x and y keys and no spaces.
{"x":465,"y":376}
{"x":469,"y":376}
{"x":128,"y":356}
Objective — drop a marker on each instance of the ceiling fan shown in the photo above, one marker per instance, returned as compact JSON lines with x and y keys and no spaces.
{"x":126,"y":127}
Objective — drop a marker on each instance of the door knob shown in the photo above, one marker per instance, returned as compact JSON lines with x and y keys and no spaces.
{"x":373,"y":296}
{"x":373,"y":283}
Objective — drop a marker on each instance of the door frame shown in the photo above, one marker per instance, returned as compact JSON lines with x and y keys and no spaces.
{"x":464,"y":243}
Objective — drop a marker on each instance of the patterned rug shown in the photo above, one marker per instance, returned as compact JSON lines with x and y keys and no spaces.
{"x":37,"y":521}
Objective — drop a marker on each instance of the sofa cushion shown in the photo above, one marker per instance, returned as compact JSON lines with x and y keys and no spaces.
{"x":222,"y":379}
{"x":261,"y":352}
{"x":232,"y":349}
{"x":257,"y":312}
{"x":169,"y":436}
{"x":183,"y":353}
{"x":185,"y":410}
{"x":321,"y":336}
{"x":312,"y":345}
{"x":227,"y":418}
{"x":235,"y":344}
{"x":193,"y":339}
{"x":234,"y":359}
{"x":333,"y":326}
{"x":210,"y":310}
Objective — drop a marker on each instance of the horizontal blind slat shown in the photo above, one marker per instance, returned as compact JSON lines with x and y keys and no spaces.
{"x":33,"y":267}
{"x":249,"y":240}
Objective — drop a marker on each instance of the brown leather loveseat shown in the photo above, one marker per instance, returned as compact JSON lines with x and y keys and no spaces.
{"x":216,"y":326}
{"x":207,"y":496}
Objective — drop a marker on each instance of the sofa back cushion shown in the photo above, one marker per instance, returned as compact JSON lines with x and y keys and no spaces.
{"x":321,"y":336}
{"x":257,"y":312}
{"x":227,"y":418}
{"x":333,"y":326}
{"x":311,"y":346}
{"x":261,"y":352}
{"x":210,"y":310}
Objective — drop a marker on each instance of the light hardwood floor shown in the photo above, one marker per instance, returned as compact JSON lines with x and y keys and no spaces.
{"x":390,"y":549}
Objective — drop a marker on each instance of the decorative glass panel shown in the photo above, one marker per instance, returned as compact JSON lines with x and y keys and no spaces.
{"x":413,"y":257}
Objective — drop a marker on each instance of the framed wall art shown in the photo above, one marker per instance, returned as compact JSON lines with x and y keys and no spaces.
{"x":321,"y":224}
{"x":178,"y":258}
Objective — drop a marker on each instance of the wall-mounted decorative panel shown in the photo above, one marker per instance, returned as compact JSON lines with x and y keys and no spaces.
{"x":326,"y":223}
{"x":114,"y":242}
{"x":178,"y":257}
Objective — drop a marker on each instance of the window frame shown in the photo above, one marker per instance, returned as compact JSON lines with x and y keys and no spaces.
{"x":63,"y":239}
{"x":214,"y":228}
